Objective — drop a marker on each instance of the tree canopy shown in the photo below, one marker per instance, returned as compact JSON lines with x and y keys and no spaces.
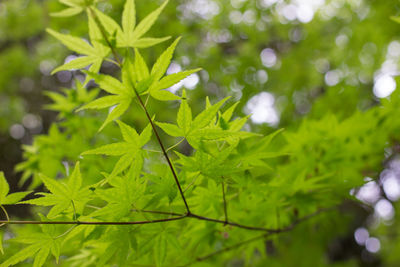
{"x":199,"y":133}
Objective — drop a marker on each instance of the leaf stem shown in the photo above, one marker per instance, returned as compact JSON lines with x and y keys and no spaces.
{"x":163,"y":150}
{"x":225,"y":206}
{"x":103,"y":32}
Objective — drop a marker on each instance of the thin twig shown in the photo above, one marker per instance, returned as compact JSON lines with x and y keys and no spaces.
{"x":143,"y":105}
{"x":163,"y":150}
{"x":94,"y":223}
{"x":103,"y":32}
{"x":225,"y":206}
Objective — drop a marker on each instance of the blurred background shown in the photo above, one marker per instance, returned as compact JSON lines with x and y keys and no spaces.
{"x":285,"y":60}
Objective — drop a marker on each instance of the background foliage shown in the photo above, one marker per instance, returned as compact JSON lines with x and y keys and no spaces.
{"x":324,"y":71}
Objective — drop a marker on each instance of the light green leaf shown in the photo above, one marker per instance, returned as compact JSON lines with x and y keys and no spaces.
{"x":68,"y":12}
{"x":108,"y":23}
{"x":41,"y":257}
{"x":115,"y":149}
{"x":128,"y":133}
{"x":22,"y":255}
{"x":205,"y":117}
{"x":141,"y":69}
{"x":14,"y":197}
{"x":124,"y":162}
{"x":162,"y":63}
{"x":145,"y":135}
{"x":147,"y":22}
{"x":147,"y":42}
{"x":396,"y":19}
{"x":160,"y":249}
{"x":54,"y":187}
{"x":170,"y":129}
{"x":75,"y":181}
{"x":184,"y":118}
{"x":108,"y":83}
{"x":102,"y":102}
{"x":77,"y":63}
{"x":1,"y":242}
{"x":172,"y":79}
{"x":164,"y":95}
{"x":74,"y":43}
{"x":116,"y":112}
{"x":4,"y":187}
{"x":129,"y":17}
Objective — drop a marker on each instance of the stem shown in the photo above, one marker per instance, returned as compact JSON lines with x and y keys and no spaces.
{"x":103,"y":32}
{"x":163,"y":150}
{"x":225,"y":207}
{"x":5,"y":213}
{"x":94,"y":223}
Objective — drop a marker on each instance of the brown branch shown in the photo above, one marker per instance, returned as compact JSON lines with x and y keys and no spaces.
{"x":93,"y":223}
{"x":224,"y":199}
{"x":263,"y":236}
{"x":163,"y":150}
{"x":103,"y":32}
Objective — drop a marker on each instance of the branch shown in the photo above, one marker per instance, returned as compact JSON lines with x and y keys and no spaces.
{"x":103,"y":33}
{"x":225,"y":208}
{"x":263,"y":236}
{"x":163,"y":150}
{"x":93,"y":223}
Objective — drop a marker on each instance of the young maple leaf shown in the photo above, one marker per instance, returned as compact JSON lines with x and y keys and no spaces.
{"x":40,"y":244}
{"x":131,"y":35}
{"x":128,"y":150}
{"x":8,"y":199}
{"x":93,"y":54}
{"x":63,"y":196}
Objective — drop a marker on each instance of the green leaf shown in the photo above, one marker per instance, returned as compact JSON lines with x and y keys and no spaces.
{"x":170,"y":129}
{"x":205,"y":117}
{"x":4,"y":187}
{"x":108,"y":23}
{"x":141,"y":69}
{"x":172,"y":79}
{"x":109,"y":84}
{"x":22,"y":255}
{"x":184,"y":118}
{"x":129,"y":16}
{"x":14,"y":198}
{"x":396,"y":19}
{"x":1,"y":242}
{"x":115,"y":149}
{"x":162,"y":63}
{"x":68,"y":12}
{"x":116,"y":112}
{"x":147,"y":42}
{"x":74,"y":43}
{"x":160,"y":249}
{"x":147,"y":22}
{"x":164,"y":95}
{"x":78,"y":63}
{"x":102,"y":102}
{"x":75,"y":181}
{"x":41,"y":257}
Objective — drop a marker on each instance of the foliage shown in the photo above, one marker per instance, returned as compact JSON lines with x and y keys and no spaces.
{"x":219,"y":194}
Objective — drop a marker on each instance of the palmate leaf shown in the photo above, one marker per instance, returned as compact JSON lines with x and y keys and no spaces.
{"x":203,"y":127}
{"x":40,"y":246}
{"x":130,"y":35}
{"x":62,"y":196}
{"x":121,"y":97}
{"x":8,"y":199}
{"x":93,"y":54}
{"x":154,"y":83}
{"x":128,"y":150}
